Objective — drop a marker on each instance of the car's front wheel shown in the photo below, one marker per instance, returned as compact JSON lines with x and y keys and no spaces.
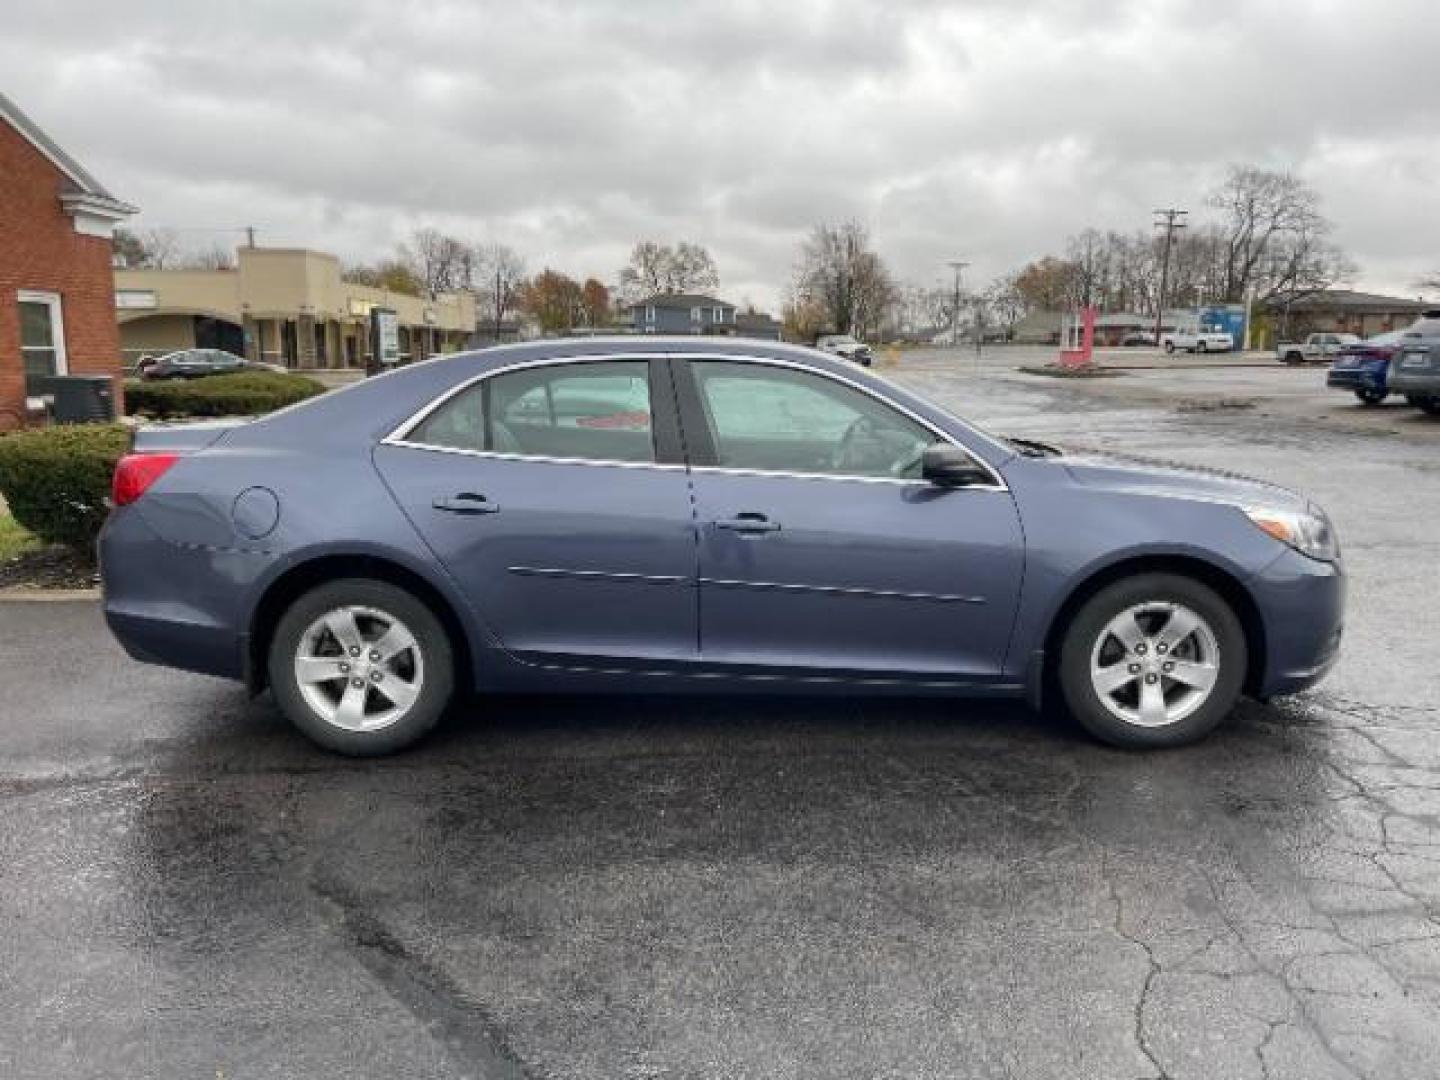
{"x":1371,"y":397}
{"x":1430,"y":405}
{"x":1152,"y":661}
{"x":361,"y":666}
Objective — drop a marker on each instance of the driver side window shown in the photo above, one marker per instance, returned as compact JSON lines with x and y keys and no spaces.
{"x":775,"y":419}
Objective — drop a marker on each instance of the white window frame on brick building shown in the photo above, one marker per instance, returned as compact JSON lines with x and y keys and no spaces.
{"x":59,"y":362}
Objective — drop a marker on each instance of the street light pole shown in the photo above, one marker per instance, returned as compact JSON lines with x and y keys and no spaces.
{"x":1169,"y":219}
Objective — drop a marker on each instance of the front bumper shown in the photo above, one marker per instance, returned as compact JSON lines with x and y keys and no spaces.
{"x":1302,"y":607}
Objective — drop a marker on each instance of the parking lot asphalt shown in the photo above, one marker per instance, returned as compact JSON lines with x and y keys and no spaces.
{"x":646,"y":888}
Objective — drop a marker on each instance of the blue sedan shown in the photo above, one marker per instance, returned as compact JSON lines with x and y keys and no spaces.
{"x":726,"y":515}
{"x":1363,"y":367}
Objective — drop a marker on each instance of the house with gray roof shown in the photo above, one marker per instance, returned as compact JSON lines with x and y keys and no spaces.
{"x":682,"y":313}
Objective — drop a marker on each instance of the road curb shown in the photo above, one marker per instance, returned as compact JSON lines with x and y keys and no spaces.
{"x":22,"y":595}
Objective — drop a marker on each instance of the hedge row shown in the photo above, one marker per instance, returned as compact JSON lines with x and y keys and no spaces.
{"x":56,"y":480}
{"x":245,"y":393}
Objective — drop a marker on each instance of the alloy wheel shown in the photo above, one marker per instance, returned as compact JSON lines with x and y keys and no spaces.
{"x":1154,"y":664}
{"x":359,"y":668}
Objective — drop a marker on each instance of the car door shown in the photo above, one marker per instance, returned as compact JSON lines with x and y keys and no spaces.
{"x":555,"y":495}
{"x":821,"y":550}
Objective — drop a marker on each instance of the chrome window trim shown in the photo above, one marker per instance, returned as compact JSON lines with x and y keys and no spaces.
{"x":998,"y":482}
{"x":537,"y":459}
{"x":398,"y":437}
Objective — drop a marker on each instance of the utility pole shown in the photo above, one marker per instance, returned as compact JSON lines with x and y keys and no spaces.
{"x":959,"y":268}
{"x":499,"y":300}
{"x":250,"y":236}
{"x":1169,"y":219}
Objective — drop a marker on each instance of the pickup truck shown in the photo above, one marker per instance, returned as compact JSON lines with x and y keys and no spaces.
{"x":1315,"y":349}
{"x":1194,"y":339}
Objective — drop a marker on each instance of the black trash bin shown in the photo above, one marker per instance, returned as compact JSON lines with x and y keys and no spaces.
{"x":81,"y":399}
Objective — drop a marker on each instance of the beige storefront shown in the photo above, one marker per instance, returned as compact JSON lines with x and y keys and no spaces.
{"x":281,"y":306}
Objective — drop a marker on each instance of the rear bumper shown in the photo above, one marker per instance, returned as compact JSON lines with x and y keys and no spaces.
{"x":1302,"y":606}
{"x":1356,"y":379}
{"x":177,"y":605}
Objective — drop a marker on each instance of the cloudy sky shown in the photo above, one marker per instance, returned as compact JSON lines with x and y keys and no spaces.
{"x":978,"y":129}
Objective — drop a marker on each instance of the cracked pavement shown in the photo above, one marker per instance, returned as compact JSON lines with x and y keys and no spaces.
{"x":647,"y":888}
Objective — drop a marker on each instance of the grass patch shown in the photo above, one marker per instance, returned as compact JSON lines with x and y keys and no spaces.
{"x":15,"y":539}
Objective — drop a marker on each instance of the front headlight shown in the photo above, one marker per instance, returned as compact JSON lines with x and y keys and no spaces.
{"x":1307,"y":531}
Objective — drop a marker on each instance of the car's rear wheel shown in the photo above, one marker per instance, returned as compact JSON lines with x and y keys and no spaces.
{"x":1152,"y":661}
{"x":1371,"y":397}
{"x":1200,"y":346}
{"x":1430,"y":405}
{"x":361,"y":666}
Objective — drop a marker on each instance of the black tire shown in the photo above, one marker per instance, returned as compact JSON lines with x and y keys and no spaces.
{"x":1200,"y":347}
{"x":1085,"y":630}
{"x":1428,"y":405}
{"x":431,"y":641}
{"x":1372,"y":397}
{"x":1293,"y":358}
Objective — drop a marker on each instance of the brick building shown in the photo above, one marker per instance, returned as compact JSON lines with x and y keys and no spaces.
{"x":57,"y":288}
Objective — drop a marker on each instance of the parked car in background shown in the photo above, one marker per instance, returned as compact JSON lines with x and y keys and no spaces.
{"x":1138,"y":337}
{"x":1196,"y":340}
{"x":845,"y":347}
{"x":625,"y":513}
{"x":1363,"y":367}
{"x":196,"y":363}
{"x":1315,"y":349}
{"x":1415,"y":367}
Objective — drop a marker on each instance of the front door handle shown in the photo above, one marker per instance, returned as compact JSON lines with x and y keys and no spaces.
{"x":748,"y":522}
{"x":466,"y":502}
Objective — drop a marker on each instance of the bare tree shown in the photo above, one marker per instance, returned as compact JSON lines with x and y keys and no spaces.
{"x":1005,"y":302}
{"x":1275,"y":236}
{"x":658,"y":268}
{"x":499,"y":282}
{"x":151,"y":249}
{"x":839,"y":274}
{"x":441,"y":263}
{"x":214,"y":257}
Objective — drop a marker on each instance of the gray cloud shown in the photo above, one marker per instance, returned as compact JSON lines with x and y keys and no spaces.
{"x":986,"y":130}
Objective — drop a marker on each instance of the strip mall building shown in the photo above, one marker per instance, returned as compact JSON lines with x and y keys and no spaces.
{"x":283,"y":306}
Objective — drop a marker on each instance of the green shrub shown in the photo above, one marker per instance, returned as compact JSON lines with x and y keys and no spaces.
{"x":245,"y":393}
{"x":56,"y":480}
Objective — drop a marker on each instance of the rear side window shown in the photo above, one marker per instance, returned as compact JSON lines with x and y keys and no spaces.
{"x":588,"y":411}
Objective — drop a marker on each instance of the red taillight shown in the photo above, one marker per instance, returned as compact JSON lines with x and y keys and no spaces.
{"x":134,"y":473}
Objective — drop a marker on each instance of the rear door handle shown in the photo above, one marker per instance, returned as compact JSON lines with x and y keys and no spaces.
{"x":466,"y":502}
{"x":748,"y":522}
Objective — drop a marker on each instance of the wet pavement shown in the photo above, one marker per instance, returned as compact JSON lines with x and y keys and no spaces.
{"x":646,"y":888}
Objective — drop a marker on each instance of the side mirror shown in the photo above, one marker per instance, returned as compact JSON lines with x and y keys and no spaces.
{"x":948,"y":466}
